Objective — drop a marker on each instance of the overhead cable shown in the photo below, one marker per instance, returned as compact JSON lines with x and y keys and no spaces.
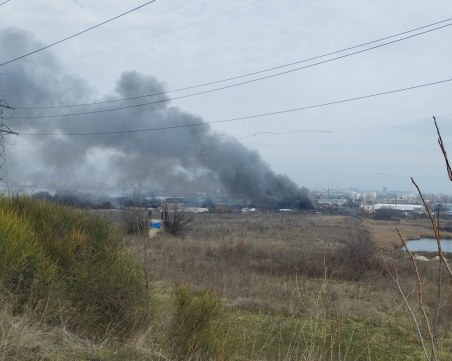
{"x":321,"y":105}
{"x":223,"y":87}
{"x":267,"y":69}
{"x":3,"y":3}
{"x":188,"y":25}
{"x":76,"y":34}
{"x":295,"y":131}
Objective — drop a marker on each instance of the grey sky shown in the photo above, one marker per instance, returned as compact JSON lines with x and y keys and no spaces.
{"x":376,"y":142}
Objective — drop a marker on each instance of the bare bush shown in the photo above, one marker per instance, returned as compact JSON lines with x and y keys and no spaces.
{"x":175,"y":220}
{"x":357,"y":257}
{"x":134,"y":221}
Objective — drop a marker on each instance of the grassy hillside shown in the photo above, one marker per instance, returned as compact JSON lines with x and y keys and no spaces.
{"x":68,"y":268}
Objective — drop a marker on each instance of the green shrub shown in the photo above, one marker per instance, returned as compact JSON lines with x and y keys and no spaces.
{"x":108,"y":290}
{"x":196,"y":331}
{"x":25,"y":273}
{"x":76,"y":262}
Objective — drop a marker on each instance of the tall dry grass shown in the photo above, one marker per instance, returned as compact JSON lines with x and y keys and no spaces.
{"x":22,"y":337}
{"x":257,"y":262}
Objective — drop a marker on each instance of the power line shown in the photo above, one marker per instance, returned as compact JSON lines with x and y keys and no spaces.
{"x":223,"y":87}
{"x":321,"y":105}
{"x":267,"y":69}
{"x":168,"y":31}
{"x":76,"y":34}
{"x":295,"y":131}
{"x":3,"y":3}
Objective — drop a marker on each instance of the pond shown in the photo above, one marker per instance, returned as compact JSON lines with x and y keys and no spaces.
{"x":428,"y":245}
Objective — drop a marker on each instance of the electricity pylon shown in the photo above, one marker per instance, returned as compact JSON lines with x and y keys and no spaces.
{"x":4,"y":131}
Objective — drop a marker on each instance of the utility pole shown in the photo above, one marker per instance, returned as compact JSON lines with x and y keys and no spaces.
{"x":4,"y":131}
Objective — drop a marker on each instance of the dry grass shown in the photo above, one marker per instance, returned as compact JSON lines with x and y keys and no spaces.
{"x":289,"y":285}
{"x":385,"y":236}
{"x":271,"y":263}
{"x":288,"y":267}
{"x":275,"y":227}
{"x":21,"y":338}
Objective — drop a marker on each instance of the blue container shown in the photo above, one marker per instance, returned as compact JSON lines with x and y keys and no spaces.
{"x":155,"y":224}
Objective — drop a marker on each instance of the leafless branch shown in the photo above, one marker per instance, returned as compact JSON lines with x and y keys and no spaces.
{"x":421,"y":297}
{"x":413,"y":316}
{"x":434,"y":227}
{"x":443,"y":149}
{"x":438,"y":288}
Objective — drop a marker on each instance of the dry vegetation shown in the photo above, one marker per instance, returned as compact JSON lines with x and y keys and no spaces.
{"x":385,"y":236}
{"x":265,"y":259}
{"x":301,"y":271}
{"x":232,"y":287}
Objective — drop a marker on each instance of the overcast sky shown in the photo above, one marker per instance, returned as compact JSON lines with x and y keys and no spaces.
{"x":370,"y":144}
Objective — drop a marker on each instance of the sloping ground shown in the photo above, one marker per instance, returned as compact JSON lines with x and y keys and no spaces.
{"x":24,"y":338}
{"x":68,"y":269}
{"x":66,"y":278}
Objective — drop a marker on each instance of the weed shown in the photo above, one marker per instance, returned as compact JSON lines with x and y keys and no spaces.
{"x":195,"y":331}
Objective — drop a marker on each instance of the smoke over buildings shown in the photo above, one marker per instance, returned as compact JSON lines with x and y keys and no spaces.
{"x":174,"y":160}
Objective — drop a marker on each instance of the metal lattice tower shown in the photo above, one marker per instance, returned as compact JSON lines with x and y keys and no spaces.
{"x":4,"y":131}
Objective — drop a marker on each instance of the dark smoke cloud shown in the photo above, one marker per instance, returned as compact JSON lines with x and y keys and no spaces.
{"x":177,"y":161}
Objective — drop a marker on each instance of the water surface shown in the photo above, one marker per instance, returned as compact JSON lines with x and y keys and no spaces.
{"x":428,"y":245}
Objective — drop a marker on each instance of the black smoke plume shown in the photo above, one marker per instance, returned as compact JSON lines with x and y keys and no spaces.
{"x":175,"y":161}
